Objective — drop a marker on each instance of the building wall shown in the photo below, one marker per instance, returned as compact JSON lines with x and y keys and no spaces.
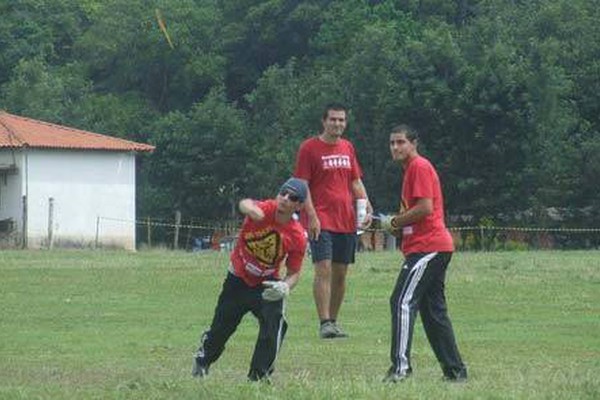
{"x":11,"y":203}
{"x":84,"y":186}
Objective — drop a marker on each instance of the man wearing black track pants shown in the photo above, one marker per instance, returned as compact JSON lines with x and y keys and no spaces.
{"x":271,"y":239}
{"x":427,"y":247}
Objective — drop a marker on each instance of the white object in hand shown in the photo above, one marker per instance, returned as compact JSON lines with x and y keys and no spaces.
{"x":386,"y":222}
{"x":275,"y":290}
{"x":361,"y":211}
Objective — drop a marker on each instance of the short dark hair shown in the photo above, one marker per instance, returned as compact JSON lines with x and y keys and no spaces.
{"x":334,"y":107}
{"x":411,"y":133}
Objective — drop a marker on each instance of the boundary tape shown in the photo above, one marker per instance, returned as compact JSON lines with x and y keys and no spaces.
{"x":451,"y":228}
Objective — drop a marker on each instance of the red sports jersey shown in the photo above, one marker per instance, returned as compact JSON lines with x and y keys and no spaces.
{"x":262,"y":246}
{"x":429,"y":234}
{"x":330,"y":170}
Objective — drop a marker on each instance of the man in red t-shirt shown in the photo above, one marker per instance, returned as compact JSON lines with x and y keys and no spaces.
{"x":427,"y":247}
{"x":270,"y":235}
{"x":329,"y":165}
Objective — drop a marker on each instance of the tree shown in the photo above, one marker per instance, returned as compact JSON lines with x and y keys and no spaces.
{"x":40,"y":91}
{"x":504,"y":93}
{"x":38,"y":29}
{"x":199,"y":166}
{"x":125,"y":51}
{"x":261,"y":34}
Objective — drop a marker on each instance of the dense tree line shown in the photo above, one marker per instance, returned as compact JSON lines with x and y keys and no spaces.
{"x":505,"y":93}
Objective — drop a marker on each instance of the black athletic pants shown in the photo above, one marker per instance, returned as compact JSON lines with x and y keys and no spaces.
{"x":420,"y":287}
{"x":237,"y":299}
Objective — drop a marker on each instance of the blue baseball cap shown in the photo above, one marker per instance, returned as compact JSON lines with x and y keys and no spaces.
{"x":296,"y":186}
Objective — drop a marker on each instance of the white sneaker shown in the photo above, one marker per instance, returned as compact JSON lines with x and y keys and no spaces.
{"x":329,"y":330}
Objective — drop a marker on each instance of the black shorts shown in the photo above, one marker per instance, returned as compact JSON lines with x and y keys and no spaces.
{"x":337,"y":247}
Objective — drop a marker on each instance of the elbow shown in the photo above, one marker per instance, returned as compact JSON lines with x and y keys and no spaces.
{"x":426,"y":210}
{"x":425,"y":207}
{"x":244,"y":205}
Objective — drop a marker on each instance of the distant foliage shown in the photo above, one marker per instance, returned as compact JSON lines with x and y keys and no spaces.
{"x":504,"y":93}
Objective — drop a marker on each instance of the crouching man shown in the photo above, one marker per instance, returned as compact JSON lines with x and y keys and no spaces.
{"x":270,"y":235}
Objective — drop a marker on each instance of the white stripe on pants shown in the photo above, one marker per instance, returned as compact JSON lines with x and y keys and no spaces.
{"x":402,"y":329}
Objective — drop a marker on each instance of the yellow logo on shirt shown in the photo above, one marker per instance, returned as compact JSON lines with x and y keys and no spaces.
{"x":265,"y":247}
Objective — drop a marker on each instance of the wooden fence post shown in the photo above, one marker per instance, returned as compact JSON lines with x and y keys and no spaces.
{"x":482,"y":237}
{"x":50,"y":222}
{"x":189,"y":233}
{"x":177,"y":224}
{"x":24,"y":235}
{"x":97,"y":232}
{"x":149,"y":233}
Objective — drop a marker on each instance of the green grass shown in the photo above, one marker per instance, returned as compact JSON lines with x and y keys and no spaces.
{"x":117,"y":325}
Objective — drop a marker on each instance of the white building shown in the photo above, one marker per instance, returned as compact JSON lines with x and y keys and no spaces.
{"x":65,"y":187}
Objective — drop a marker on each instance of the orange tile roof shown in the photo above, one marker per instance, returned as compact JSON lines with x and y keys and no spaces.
{"x":18,"y":132}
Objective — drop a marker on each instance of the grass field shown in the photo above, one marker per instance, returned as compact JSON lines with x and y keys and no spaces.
{"x":117,"y":325}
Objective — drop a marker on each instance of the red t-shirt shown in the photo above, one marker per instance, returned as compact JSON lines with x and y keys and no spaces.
{"x":429,"y":234}
{"x":262,"y":246}
{"x":330,"y":170}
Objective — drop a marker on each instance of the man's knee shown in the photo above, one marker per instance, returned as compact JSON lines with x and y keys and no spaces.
{"x":323,"y":270}
{"x":339,"y":270}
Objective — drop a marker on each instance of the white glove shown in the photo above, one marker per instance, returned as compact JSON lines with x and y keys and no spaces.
{"x":388,"y":222}
{"x":275,"y":290}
